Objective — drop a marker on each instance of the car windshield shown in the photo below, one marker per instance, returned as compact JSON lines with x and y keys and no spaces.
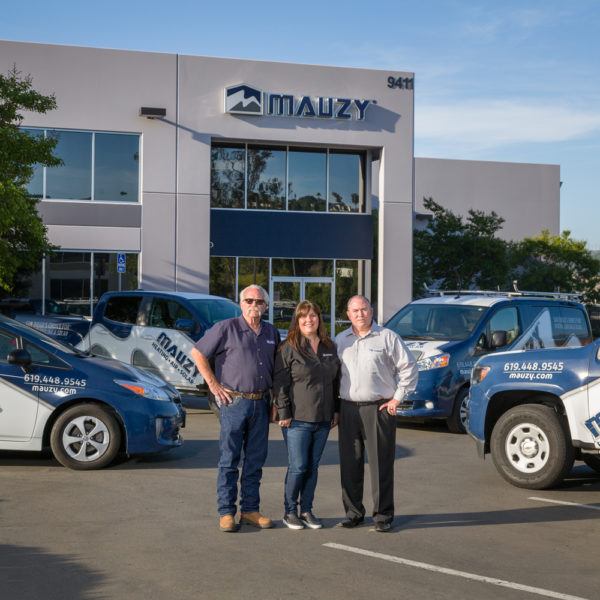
{"x":42,"y":337}
{"x":436,"y":321}
{"x":212,"y":311}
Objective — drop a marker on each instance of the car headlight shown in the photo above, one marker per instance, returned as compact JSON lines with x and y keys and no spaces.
{"x":479,"y":374}
{"x":433,"y":362}
{"x":144,"y":389}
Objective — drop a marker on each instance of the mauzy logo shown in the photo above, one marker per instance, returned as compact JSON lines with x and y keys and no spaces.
{"x":244,"y":100}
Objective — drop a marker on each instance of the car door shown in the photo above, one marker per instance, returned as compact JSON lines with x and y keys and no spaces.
{"x":18,"y":402}
{"x":165,"y":349}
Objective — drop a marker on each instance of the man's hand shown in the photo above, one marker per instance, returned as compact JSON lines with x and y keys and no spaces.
{"x":335,"y":420}
{"x":219,"y":392}
{"x":285,"y":422}
{"x":390,"y":406}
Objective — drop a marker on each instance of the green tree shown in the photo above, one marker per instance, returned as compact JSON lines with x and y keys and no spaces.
{"x":23,"y":239}
{"x":454,"y":252}
{"x":556,"y":263}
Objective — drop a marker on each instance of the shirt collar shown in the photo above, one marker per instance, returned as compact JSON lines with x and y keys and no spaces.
{"x":245,"y":327}
{"x":375,"y":330}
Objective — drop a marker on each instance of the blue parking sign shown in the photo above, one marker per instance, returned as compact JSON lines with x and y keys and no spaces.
{"x":121,"y":263}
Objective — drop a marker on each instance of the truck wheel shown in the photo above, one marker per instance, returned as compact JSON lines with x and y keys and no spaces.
{"x":592,"y":461}
{"x":531,"y":448}
{"x":85,"y":437}
{"x":457,"y":421}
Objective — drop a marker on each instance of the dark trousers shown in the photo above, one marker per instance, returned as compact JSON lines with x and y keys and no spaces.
{"x":244,"y":426}
{"x":367,"y":427}
{"x":305,"y":443}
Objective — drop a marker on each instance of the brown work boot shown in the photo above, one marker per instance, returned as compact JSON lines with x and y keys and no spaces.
{"x":227,"y":524}
{"x":256,"y":520}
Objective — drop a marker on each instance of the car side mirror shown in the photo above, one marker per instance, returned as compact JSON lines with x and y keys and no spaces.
{"x":499,"y":339}
{"x":185,"y":325}
{"x":19,"y":357}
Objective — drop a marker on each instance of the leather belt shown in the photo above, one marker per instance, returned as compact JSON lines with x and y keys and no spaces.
{"x":369,"y":403}
{"x":247,"y":395}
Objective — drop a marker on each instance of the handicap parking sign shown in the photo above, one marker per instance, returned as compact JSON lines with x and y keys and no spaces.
{"x":121,"y":264}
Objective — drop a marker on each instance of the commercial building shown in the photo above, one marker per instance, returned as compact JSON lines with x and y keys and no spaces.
{"x":254,"y":172}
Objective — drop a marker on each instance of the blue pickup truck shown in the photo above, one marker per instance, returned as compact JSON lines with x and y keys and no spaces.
{"x":537,"y":411}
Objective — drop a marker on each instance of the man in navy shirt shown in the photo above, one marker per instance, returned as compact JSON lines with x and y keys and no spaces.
{"x":243,"y":351}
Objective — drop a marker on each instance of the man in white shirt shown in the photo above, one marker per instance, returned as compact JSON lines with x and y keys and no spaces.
{"x":378,"y":370}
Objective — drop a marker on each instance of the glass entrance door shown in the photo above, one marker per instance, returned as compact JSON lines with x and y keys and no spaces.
{"x":286,"y":292}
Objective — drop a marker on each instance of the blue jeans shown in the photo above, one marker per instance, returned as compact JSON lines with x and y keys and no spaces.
{"x":305,"y":443}
{"x":244,"y":426}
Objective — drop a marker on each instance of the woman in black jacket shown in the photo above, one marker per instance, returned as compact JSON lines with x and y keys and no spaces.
{"x":306,"y":388}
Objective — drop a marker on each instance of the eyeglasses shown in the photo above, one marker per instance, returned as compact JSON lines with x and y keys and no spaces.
{"x":257,"y":301}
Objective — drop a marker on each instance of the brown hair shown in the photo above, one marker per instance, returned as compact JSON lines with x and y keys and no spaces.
{"x":295,"y":338}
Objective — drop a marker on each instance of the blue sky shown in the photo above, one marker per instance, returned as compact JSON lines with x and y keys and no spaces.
{"x":510,"y":81}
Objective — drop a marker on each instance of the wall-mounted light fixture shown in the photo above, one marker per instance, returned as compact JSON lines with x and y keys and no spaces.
{"x":151,"y":112}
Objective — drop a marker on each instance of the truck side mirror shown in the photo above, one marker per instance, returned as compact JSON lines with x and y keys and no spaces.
{"x":499,"y":339}
{"x":19,"y":357}
{"x":185,"y":325}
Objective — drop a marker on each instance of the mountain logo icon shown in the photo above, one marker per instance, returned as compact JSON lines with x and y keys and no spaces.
{"x":243,"y":100}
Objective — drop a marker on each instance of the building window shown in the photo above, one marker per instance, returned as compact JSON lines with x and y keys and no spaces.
{"x":266,"y":178}
{"x":251,"y":176}
{"x":71,"y":283}
{"x":227,"y":176}
{"x":97,"y":166}
{"x":307,"y":180}
{"x":346,"y":182}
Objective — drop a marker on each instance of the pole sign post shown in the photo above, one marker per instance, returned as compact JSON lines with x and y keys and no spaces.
{"x":121,"y":263}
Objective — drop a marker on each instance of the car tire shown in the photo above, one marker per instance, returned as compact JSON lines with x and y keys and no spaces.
{"x":531,"y":447}
{"x":457,"y":421}
{"x":102,"y":436}
{"x":592,"y":461}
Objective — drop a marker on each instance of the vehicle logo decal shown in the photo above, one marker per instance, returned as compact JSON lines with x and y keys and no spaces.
{"x":178,"y":359}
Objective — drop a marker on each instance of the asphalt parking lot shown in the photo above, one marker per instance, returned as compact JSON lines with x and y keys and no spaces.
{"x":147,"y":529}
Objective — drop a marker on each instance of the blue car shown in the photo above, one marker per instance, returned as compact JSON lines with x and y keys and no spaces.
{"x":86,"y":409}
{"x":449,"y":332}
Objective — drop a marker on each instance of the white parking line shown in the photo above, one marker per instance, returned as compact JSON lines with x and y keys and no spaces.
{"x":564,"y":503}
{"x":463,"y":574}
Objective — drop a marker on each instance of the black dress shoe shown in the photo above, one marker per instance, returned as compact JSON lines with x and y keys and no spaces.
{"x":349,"y":523}
{"x":383,"y":526}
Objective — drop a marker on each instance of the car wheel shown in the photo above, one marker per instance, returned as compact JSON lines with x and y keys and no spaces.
{"x":86,"y":436}
{"x":531,"y":448}
{"x":592,"y":461}
{"x":457,"y":421}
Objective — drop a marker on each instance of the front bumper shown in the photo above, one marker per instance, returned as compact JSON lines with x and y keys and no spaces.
{"x":431,"y":399}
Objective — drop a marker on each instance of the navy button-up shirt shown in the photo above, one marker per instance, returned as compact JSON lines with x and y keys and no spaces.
{"x":243,"y":359}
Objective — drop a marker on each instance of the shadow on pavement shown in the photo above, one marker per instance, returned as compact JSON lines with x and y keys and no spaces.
{"x":57,"y":577}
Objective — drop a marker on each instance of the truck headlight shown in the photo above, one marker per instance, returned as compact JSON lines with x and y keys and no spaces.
{"x":479,"y":374}
{"x":433,"y":362}
{"x":146,"y":390}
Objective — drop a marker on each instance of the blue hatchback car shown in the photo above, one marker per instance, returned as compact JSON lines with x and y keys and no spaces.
{"x":86,"y":409}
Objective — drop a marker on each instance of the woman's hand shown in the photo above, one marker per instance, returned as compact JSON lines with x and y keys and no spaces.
{"x":285,"y":422}
{"x":335,"y":420}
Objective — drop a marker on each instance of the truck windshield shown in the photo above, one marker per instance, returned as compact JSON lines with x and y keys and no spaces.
{"x":436,"y":321}
{"x":213,"y":311}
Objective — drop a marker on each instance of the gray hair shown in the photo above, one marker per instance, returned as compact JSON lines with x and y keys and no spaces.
{"x":261,"y":289}
{"x":358,"y":297}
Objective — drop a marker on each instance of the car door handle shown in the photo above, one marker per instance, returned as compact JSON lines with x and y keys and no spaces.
{"x":147,"y":337}
{"x":101,"y":332}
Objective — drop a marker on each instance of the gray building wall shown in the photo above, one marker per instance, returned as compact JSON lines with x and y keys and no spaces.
{"x":527,"y":196}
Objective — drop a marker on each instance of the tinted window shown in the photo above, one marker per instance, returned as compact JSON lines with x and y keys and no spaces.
{"x":68,"y":281}
{"x":72,"y":180}
{"x":307,"y":184}
{"x":266,"y":178}
{"x":39,"y":357}
{"x":227,"y":172}
{"x":555,"y":326}
{"x":346,"y":182}
{"x":35,"y":187}
{"x":116,"y":167}
{"x":8,"y":343}
{"x":436,"y":321}
{"x":164,"y":313}
{"x":213,"y":311}
{"x":507,"y":320}
{"x":123,"y":310}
